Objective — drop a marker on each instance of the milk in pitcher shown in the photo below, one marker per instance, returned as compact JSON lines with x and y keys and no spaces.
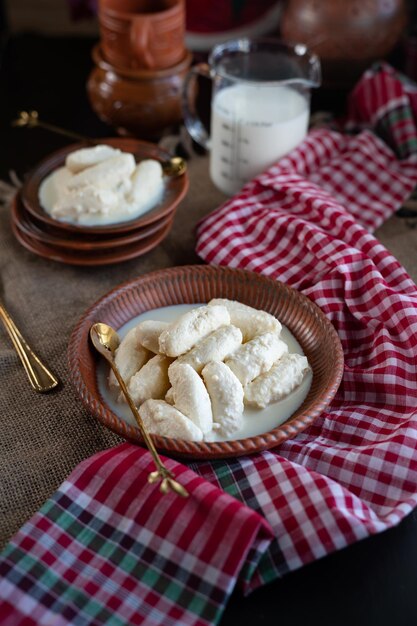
{"x":252,"y":127}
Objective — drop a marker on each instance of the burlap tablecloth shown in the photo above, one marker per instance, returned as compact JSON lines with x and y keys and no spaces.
{"x":43,"y":437}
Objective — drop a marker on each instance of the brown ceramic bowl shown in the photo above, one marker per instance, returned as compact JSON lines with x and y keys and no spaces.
{"x":175,"y":190}
{"x":50,"y":236}
{"x":106,"y":256}
{"x":348,"y":36}
{"x":196,"y":284}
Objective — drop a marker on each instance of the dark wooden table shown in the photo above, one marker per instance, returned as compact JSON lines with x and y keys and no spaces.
{"x":370,"y":583}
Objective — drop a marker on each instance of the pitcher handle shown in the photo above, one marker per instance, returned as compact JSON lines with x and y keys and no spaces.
{"x":140,"y":37}
{"x":192,"y":121}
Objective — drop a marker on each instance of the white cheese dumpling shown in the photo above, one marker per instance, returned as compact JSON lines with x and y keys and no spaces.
{"x":129,"y":357}
{"x":82,"y":203}
{"x":215,"y":347}
{"x":147,"y":182}
{"x":79,"y":160}
{"x":148,"y":333}
{"x":256,"y":356}
{"x":188,"y":329}
{"x":278,"y":382}
{"x":151,"y":381}
{"x":251,"y":322}
{"x":163,"y":419}
{"x":226,"y":395}
{"x":169,"y":396}
{"x":107,"y":174}
{"x":191,"y":396}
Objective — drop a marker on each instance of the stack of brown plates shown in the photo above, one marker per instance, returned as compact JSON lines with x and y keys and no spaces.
{"x":69,"y":243}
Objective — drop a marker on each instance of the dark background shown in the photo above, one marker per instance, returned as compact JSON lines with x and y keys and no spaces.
{"x":373,"y":582}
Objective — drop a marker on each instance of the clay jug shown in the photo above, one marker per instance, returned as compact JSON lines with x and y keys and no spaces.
{"x":347,"y":35}
{"x":142,"y":34}
{"x":142,"y":103}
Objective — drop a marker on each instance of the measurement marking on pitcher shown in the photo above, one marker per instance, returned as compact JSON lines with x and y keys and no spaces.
{"x":229,"y":143}
{"x":234,"y":156}
{"x":241,"y":143}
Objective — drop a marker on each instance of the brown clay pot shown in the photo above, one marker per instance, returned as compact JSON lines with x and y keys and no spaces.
{"x":147,"y":34}
{"x":142,"y":103}
{"x":347,"y":35}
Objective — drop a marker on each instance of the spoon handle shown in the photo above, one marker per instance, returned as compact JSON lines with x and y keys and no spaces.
{"x":31,"y":120}
{"x":40,"y":377}
{"x":174,"y":166}
{"x":168,"y":481}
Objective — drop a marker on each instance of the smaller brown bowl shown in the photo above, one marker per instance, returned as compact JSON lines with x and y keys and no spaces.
{"x":198,"y":284}
{"x":175,"y":189}
{"x":92,"y":257}
{"x":28,"y":225}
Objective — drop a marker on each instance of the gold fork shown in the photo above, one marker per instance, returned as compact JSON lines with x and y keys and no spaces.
{"x":40,"y":377}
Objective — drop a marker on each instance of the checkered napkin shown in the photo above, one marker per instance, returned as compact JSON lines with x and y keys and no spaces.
{"x":307,"y":221}
{"x":108,"y":548}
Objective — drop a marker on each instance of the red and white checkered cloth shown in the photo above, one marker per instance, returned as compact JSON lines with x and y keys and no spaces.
{"x":307,"y":222}
{"x":107,"y":548}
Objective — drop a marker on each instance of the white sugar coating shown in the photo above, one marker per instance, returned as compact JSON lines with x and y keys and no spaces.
{"x":130,"y":357}
{"x":79,"y":160}
{"x":169,"y":396}
{"x":163,"y":419}
{"x":252,"y":322}
{"x":148,"y":333}
{"x":91,"y":200}
{"x":278,"y":382}
{"x":106,"y":174}
{"x":190,"y":395}
{"x":256,"y":356}
{"x":215,"y":347}
{"x":188,"y":329}
{"x":146,"y":180}
{"x":151,"y":381}
{"x":226,"y":395}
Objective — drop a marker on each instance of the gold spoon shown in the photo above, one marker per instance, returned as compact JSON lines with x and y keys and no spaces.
{"x":175,"y":166}
{"x":106,"y":340}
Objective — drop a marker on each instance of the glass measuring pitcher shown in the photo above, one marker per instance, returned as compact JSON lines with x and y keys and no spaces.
{"x":260,"y":106}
